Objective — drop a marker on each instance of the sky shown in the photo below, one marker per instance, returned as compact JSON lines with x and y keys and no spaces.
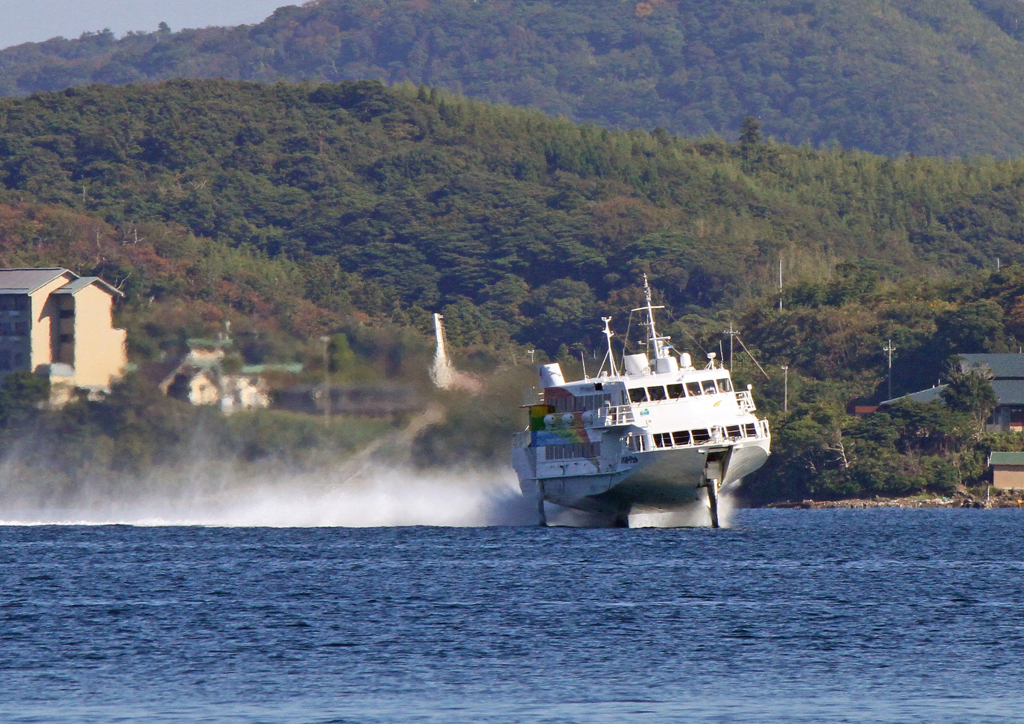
{"x":23,"y":21}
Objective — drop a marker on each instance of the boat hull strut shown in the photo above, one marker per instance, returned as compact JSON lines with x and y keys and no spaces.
{"x":659,"y":482}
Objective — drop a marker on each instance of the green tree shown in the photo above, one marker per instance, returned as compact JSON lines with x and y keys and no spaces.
{"x":750,"y":132}
{"x":22,"y":393}
{"x":969,"y":391}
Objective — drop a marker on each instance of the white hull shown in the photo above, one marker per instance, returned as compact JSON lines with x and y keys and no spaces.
{"x":660,"y":480}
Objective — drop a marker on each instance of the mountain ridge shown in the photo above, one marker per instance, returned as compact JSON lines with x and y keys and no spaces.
{"x":939,"y":77}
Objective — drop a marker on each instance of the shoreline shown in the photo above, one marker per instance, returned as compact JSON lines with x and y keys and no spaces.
{"x":1000,"y":499}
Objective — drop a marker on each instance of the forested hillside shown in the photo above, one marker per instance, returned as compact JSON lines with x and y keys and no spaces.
{"x":931,"y":77}
{"x":520,"y":227}
{"x":294,"y":211}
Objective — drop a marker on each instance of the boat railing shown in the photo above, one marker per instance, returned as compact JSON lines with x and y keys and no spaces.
{"x":533,"y":396}
{"x":712,"y":435}
{"x":615,"y":415}
{"x":745,"y":400}
{"x":521,"y":439}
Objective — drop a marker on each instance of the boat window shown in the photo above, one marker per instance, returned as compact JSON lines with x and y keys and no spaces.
{"x":733,"y":431}
{"x":681,"y":438}
{"x":709,"y":387}
{"x":592,"y":402}
{"x":693,"y":389}
{"x":656,"y":393}
{"x":638,"y":394}
{"x":663,"y":439}
{"x":675,"y":392}
{"x":573,"y":450}
{"x":700,"y":436}
{"x":750,"y":429}
{"x":724,"y":385}
{"x":564,"y":404}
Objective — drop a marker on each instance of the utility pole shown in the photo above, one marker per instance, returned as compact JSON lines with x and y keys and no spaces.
{"x":785,"y":388}
{"x":780,"y":283}
{"x":889,"y":349}
{"x":732,"y":333}
{"x":327,"y":383}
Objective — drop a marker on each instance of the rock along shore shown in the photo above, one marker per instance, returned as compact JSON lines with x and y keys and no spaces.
{"x":995,"y":499}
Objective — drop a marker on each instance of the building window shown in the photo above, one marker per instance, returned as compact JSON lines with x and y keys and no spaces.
{"x":13,"y":302}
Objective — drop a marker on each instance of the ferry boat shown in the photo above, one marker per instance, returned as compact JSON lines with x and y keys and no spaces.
{"x":645,"y":439}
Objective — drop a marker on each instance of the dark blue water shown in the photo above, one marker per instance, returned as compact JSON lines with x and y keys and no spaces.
{"x":791,"y":616}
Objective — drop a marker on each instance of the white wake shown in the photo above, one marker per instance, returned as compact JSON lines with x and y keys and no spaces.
{"x":379,"y":495}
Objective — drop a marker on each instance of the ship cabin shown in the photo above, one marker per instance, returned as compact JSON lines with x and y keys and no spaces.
{"x":663,"y":402}
{"x":641,"y":385}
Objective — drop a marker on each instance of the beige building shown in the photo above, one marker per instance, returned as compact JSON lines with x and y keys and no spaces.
{"x":1007,"y":470}
{"x":199,"y":379}
{"x":60,"y":325}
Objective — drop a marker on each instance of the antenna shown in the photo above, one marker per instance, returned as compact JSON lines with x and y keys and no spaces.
{"x":660,"y":349}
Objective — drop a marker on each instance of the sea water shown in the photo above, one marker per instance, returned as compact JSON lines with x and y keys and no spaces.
{"x":788,"y":616}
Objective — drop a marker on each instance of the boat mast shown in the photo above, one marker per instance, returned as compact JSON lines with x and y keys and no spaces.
{"x":609,"y":334}
{"x":657,"y":343}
